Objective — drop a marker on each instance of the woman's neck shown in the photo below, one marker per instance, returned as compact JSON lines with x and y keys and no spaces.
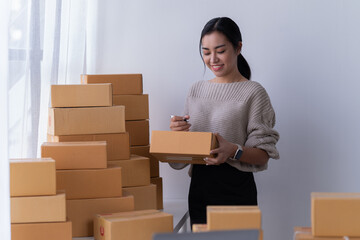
{"x":234,"y":77}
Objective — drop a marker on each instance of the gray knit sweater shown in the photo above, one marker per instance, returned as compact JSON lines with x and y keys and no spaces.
{"x":241,"y":112}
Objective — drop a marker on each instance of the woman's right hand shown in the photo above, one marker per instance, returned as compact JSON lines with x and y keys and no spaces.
{"x":179,"y":123}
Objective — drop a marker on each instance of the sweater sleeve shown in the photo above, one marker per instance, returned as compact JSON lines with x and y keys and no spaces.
{"x":260,"y":132}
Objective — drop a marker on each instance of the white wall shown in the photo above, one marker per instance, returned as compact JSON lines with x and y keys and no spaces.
{"x":305,"y":53}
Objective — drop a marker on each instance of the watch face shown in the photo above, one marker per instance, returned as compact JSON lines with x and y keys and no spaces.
{"x":238,"y":154}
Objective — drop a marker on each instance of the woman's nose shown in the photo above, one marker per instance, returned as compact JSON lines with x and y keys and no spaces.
{"x":214,"y":58}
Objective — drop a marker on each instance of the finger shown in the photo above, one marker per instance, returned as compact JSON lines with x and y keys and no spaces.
{"x":211,"y":161}
{"x":176,"y":118}
{"x":186,"y":117}
{"x":215,"y":151}
{"x":181,"y":128}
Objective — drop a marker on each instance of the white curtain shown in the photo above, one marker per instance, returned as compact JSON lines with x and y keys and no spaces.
{"x":43,"y":42}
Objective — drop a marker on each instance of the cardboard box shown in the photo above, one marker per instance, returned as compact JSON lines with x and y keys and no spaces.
{"x":38,"y":209}
{"x":136,"y":106}
{"x":304,"y":233}
{"x":138,"y":225}
{"x":182,"y":147}
{"x":139,"y":132}
{"x":41,"y":231}
{"x":144,"y":151}
{"x":122,"y":83}
{"x":117,"y":144}
{"x":32,"y":177}
{"x":82,"y":212}
{"x":90,"y":183}
{"x":81,"y":95}
{"x":159,"y":191}
{"x":199,"y":228}
{"x":335,"y":214}
{"x":93,"y":120}
{"x":76,"y":155}
{"x":233,"y":217}
{"x":144,"y":196}
{"x":135,"y":171}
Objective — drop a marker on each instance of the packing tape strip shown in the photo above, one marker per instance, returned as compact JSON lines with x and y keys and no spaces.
{"x":346,"y":238}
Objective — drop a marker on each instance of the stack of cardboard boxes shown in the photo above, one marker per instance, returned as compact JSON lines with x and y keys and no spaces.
{"x":140,"y":174}
{"x":79,"y":115}
{"x":38,"y":211}
{"x":334,"y":216}
{"x":220,"y":218}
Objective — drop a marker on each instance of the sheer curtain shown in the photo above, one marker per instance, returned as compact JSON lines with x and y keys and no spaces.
{"x":43,"y":42}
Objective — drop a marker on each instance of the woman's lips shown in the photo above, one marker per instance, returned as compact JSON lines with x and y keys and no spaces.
{"x":217,"y":68}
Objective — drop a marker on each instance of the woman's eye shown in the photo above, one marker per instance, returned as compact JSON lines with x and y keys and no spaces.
{"x":222,"y":51}
{"x":206,"y":53}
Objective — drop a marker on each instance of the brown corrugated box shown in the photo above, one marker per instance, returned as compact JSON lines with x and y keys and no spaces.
{"x":137,"y":225}
{"x":233,"y":217}
{"x":159,"y":191}
{"x":91,"y":120}
{"x":144,"y":151}
{"x":122,"y":83}
{"x":81,"y":95}
{"x":199,"y":228}
{"x":136,"y":106}
{"x":144,"y":196}
{"x":90,"y":183}
{"x":38,"y":209}
{"x":32,"y":177}
{"x":138,"y":131}
{"x":182,"y":147}
{"x":335,"y":214}
{"x":135,"y":171}
{"x":81,"y":212}
{"x":76,"y":155}
{"x":304,"y":233}
{"x":41,"y":231}
{"x":117,"y":144}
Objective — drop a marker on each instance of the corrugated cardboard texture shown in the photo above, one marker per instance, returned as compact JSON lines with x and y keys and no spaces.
{"x":335,"y":214}
{"x":122,"y":83}
{"x":159,"y":191}
{"x":76,"y":155}
{"x":144,"y":151}
{"x":117,"y":144}
{"x":41,"y":231}
{"x":304,"y":233}
{"x":139,"y":132}
{"x":90,"y":183}
{"x":233,"y":217}
{"x":32,"y":177}
{"x":38,"y":209}
{"x":135,"y":171}
{"x":182,"y":147}
{"x":93,"y":120}
{"x":81,"y":95}
{"x":136,"y":106}
{"x":82,"y":212}
{"x":144,"y":196}
{"x":133,"y":225}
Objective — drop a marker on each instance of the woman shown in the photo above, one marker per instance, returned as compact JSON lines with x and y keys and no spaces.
{"x":239,"y":112}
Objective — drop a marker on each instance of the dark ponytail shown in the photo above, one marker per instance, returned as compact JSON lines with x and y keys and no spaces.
{"x":232,"y":32}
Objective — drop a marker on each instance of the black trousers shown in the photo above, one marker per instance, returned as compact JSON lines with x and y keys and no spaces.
{"x":219,"y":185}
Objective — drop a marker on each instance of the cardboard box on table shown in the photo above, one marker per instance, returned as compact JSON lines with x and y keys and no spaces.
{"x":136,"y":106}
{"x":76,"y":155}
{"x":335,"y":214}
{"x":144,"y":196}
{"x":159,"y":191}
{"x":90,"y":120}
{"x":121,"y":83}
{"x":90,"y":183}
{"x":137,"y":225}
{"x":41,"y":231}
{"x":32,"y":177}
{"x":304,"y":233}
{"x":199,"y":228}
{"x":233,"y":217}
{"x":182,"y":147}
{"x":135,"y":171}
{"x":144,"y":151}
{"x":138,"y":131}
{"x":81,"y":95}
{"x":38,"y":209}
{"x":117,"y":144}
{"x":81,"y":212}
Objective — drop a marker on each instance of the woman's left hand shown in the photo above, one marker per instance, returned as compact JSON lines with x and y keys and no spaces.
{"x":223,"y":152}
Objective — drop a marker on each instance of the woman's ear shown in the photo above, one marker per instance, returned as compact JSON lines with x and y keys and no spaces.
{"x":238,"y":50}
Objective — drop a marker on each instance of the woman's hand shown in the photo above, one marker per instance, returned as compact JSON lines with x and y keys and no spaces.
{"x":223,"y":152}
{"x":178,"y":123}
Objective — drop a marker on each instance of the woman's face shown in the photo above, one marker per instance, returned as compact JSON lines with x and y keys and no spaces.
{"x":219,"y":54}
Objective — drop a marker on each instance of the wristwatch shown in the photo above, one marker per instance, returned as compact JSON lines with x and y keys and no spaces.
{"x":238,"y":152}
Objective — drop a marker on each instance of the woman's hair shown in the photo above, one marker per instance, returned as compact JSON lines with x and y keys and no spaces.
{"x":232,"y":32}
